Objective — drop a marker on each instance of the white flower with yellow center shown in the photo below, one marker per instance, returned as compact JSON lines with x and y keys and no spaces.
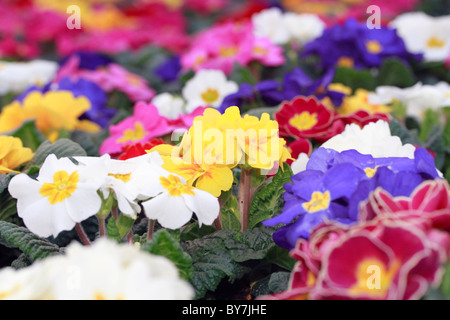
{"x":303,"y":27}
{"x":207,"y":88}
{"x":416,"y":99}
{"x":174,"y":201}
{"x":424,"y":34}
{"x":104,"y":271}
{"x":16,"y":77}
{"x":111,"y":271}
{"x":126,"y":179}
{"x":62,"y":196}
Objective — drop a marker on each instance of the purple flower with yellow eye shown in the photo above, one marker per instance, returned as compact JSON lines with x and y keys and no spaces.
{"x":334,"y":185}
{"x":314,"y":196}
{"x":354,"y":45}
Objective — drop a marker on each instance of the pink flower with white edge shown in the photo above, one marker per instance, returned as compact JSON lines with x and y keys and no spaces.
{"x":145,"y":123}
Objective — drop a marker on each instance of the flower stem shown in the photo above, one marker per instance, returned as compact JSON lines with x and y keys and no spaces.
{"x":115,"y":212}
{"x":218,"y":221}
{"x":82,"y":234}
{"x":101,"y":226}
{"x":245,"y":197}
{"x":150,"y":228}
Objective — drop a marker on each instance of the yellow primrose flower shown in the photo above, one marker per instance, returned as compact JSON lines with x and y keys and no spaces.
{"x":213,"y":178}
{"x":359,"y":101}
{"x":52,"y":111}
{"x":12,"y":154}
{"x":230,"y":139}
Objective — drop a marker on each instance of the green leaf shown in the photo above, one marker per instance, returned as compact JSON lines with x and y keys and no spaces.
{"x":279,"y":281}
{"x":8,"y":205}
{"x":60,"y":148}
{"x":112,"y":230}
{"x":241,"y":74}
{"x":194,"y":231}
{"x":394,"y":72}
{"x":445,"y":284}
{"x":33,"y":246}
{"x":212,"y":262}
{"x":407,"y":136}
{"x":22,"y":261}
{"x":163,"y":244}
{"x":230,"y":220}
{"x":281,"y":258}
{"x":90,"y":142}
{"x":268,"y":201}
{"x":430,"y":120}
{"x":31,"y":137}
{"x":252,"y":244}
{"x":355,"y":78}
{"x":124,"y":225}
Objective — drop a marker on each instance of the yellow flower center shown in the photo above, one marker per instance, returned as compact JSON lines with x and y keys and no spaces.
{"x":304,"y":120}
{"x":124,"y":177}
{"x":227,"y":52}
{"x":62,"y":187}
{"x":373,"y":46}
{"x":210,"y":96}
{"x":435,"y":42}
{"x":175,"y":187}
{"x":260,"y":51}
{"x":373,"y":278}
{"x":133,"y":79}
{"x":346,"y":62}
{"x":319,"y":201}
{"x":134,"y":135}
{"x":370,"y":172}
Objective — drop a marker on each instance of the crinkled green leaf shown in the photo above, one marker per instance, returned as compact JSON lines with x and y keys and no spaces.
{"x":194,"y":231}
{"x":212,"y":262}
{"x":230,"y":220}
{"x":163,"y":244}
{"x":60,"y":148}
{"x":33,"y":246}
{"x":268,"y":201}
{"x":252,"y":244}
{"x":279,"y":281}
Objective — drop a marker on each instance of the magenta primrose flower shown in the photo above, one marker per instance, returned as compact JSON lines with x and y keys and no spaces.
{"x":145,"y":123}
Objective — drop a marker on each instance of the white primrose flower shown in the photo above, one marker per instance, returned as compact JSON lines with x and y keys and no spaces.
{"x":110,"y":271}
{"x":303,"y":27}
{"x":374,"y":139}
{"x":416,"y":99}
{"x":16,"y":77}
{"x":173,"y":202}
{"x":270,"y":23}
{"x":126,"y":179}
{"x":207,"y":88}
{"x":168,"y":105}
{"x":23,"y":284}
{"x":62,"y":196}
{"x":424,"y":34}
{"x":104,"y":271}
{"x":281,"y":27}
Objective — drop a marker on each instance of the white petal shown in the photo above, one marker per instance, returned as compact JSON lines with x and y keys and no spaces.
{"x":171,"y":212}
{"x":205,"y":206}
